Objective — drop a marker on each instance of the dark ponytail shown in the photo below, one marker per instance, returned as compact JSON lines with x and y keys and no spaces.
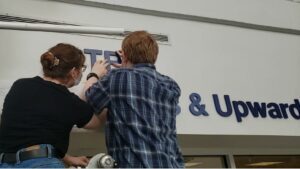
{"x":47,"y":60}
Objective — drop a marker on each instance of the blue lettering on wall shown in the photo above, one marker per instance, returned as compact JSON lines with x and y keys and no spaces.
{"x":295,"y":109}
{"x":274,"y":111}
{"x":110,"y":56}
{"x":195,"y":107}
{"x":243,"y":109}
{"x":228,"y":111}
{"x":93,"y":53}
{"x":283,"y":108}
{"x":257,"y":110}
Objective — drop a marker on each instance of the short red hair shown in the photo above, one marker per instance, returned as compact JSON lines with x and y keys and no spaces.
{"x":140,"y":47}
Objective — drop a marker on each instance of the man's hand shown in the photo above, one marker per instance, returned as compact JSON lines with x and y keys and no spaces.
{"x":81,"y":161}
{"x":117,"y":65}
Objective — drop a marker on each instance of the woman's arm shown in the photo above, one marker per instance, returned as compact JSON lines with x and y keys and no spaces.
{"x":97,"y":120}
{"x":100,"y":68}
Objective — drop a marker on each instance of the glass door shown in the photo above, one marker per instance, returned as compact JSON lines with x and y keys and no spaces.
{"x":205,"y":162}
{"x":267,"y":161}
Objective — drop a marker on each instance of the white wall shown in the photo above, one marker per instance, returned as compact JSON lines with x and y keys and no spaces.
{"x":279,"y":13}
{"x":248,"y":65}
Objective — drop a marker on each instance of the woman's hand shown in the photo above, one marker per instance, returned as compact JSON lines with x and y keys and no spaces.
{"x":81,"y":161}
{"x":100,"y":68}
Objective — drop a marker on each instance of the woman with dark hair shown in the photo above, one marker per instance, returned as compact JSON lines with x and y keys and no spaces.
{"x":39,"y":112}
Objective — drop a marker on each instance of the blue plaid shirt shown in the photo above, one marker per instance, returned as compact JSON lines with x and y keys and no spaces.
{"x":141,"y":124}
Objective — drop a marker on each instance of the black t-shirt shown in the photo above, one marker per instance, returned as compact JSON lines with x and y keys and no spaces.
{"x":36,"y":111}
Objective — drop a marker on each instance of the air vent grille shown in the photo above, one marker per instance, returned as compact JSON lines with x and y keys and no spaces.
{"x":8,"y":18}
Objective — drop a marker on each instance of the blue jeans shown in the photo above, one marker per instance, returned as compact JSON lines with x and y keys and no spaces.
{"x":48,"y":162}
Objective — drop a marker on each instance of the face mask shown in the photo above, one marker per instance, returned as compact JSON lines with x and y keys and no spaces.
{"x":77,"y":81}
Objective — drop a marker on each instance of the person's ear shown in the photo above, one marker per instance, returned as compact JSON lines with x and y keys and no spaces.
{"x":73,"y":73}
{"x":124,"y":58}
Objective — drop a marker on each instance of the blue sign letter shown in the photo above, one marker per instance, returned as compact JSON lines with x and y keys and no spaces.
{"x":93,"y":53}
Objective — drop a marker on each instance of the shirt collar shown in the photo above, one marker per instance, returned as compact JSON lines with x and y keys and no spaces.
{"x":147,"y":65}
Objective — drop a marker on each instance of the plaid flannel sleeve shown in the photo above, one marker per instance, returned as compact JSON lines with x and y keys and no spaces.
{"x":98,"y":94}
